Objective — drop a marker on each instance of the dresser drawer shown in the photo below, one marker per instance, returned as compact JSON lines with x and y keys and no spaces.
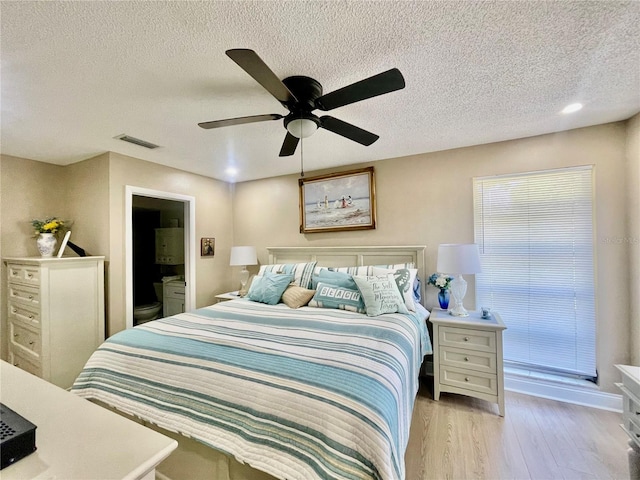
{"x":24,"y":294}
{"x":26,"y":274}
{"x":25,"y":338}
{"x":469,"y":380}
{"x":468,"y":359}
{"x":24,"y":313}
{"x":633,"y":430}
{"x":480,"y":340}
{"x":23,"y":362}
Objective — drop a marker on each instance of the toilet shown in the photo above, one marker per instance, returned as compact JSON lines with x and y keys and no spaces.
{"x":150,"y":311}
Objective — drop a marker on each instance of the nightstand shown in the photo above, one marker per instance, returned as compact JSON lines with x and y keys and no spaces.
{"x":467,"y":356}
{"x":223,"y":297}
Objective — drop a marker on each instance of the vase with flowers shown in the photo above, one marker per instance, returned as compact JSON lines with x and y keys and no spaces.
{"x":443,"y":282}
{"x":45,"y":231}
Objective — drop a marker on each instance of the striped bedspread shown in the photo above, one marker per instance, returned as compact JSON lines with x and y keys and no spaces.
{"x":301,"y":394}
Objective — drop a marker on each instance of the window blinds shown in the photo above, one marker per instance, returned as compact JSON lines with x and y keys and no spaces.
{"x":535,"y":233}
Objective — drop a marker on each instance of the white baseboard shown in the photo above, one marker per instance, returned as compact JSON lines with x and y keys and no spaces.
{"x":570,"y":393}
{"x":161,"y":476}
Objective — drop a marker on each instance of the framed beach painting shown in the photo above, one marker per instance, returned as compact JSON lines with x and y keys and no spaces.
{"x":338,"y":202}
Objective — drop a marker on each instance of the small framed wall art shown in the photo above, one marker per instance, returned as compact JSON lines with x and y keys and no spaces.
{"x":338,"y":202}
{"x":207,"y":246}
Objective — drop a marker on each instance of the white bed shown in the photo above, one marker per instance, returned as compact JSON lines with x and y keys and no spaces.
{"x":307,"y":393}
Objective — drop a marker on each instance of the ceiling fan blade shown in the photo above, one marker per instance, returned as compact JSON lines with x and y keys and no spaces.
{"x":384,"y":82}
{"x":251,"y":63}
{"x":347,"y":130}
{"x":289,"y":145}
{"x":239,"y":120}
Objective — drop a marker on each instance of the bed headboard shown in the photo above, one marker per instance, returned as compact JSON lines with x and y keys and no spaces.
{"x":354,"y":256}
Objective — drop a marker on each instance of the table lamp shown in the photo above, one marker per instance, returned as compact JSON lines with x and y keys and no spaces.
{"x":457,"y":259}
{"x":243,"y":256}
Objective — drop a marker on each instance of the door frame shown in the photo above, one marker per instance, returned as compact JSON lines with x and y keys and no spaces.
{"x":189,"y":203}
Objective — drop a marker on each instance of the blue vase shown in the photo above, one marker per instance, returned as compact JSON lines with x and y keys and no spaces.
{"x":443,"y":298}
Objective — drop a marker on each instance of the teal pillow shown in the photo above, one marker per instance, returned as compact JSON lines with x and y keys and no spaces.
{"x":381,"y":294}
{"x":334,"y":278}
{"x":269,"y":287}
{"x":335,"y":296}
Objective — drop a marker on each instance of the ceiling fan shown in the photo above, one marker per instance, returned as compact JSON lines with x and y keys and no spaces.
{"x":301,"y":95}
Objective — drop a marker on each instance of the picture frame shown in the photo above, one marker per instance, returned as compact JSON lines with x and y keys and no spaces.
{"x":207,"y":247}
{"x":338,"y":202}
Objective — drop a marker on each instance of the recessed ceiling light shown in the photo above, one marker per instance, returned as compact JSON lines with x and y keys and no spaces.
{"x":574,"y":107}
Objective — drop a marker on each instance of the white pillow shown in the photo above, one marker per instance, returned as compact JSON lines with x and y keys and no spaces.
{"x":405,"y":278}
{"x":381,"y":294}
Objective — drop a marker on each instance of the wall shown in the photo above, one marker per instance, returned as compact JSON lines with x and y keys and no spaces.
{"x":633,"y":233}
{"x":213,"y":219}
{"x":28,"y":190}
{"x":427,"y":200}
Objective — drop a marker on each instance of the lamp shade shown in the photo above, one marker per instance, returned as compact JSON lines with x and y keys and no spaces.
{"x":459,"y":258}
{"x":243,"y":256}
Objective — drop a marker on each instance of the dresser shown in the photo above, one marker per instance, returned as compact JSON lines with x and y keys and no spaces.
{"x":55,"y":314}
{"x":467,"y":356}
{"x":630,"y":388}
{"x":75,"y":438}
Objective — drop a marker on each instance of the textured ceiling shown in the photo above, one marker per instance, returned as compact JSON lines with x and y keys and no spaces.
{"x":76,"y":74}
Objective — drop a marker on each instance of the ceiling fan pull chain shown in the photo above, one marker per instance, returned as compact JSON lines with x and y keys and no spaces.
{"x":301,"y":157}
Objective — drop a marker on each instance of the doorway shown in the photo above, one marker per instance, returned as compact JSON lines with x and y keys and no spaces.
{"x":152,"y":214}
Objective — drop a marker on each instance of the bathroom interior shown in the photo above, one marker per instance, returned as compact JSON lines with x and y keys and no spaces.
{"x":158,"y":258}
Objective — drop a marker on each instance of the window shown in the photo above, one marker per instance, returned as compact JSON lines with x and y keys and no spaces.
{"x":535,"y":233}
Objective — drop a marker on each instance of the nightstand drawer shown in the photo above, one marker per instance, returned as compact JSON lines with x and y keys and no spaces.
{"x":25,"y":338}
{"x":24,"y":294}
{"x":480,"y":340}
{"x":24,"y":274}
{"x":468,"y":359}
{"x":469,"y":380}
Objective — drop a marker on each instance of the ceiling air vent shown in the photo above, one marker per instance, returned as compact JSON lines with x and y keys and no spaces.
{"x":136,"y":141}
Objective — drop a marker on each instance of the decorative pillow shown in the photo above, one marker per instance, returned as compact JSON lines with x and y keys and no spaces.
{"x":381,"y":294}
{"x":333,"y":296}
{"x":301,"y":272}
{"x":269,"y":288}
{"x":405,"y":278}
{"x":296,"y":297}
{"x":334,"y":278}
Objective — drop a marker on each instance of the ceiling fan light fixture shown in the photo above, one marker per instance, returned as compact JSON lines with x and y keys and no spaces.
{"x":302,"y":127}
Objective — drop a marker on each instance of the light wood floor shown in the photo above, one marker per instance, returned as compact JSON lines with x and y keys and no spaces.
{"x":464,"y":438}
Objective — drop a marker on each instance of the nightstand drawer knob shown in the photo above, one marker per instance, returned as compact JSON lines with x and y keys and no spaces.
{"x":466,"y":359}
{"x":30,"y":297}
{"x":466,"y":379}
{"x":466,"y":339}
{"x":31,"y":316}
{"x":31,"y":342}
{"x":16,"y":335}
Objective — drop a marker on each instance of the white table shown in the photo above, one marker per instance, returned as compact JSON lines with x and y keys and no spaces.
{"x":75,"y":438}
{"x":467,"y":356}
{"x":228,"y":296}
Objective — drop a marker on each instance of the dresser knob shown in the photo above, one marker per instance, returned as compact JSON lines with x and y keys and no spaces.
{"x":466,"y":379}
{"x":466,"y":339}
{"x":16,"y":335}
{"x":31,"y":316}
{"x":31,"y":342}
{"x":466,"y":359}
{"x":29,"y":275}
{"x":13,"y":310}
{"x":30,"y":297}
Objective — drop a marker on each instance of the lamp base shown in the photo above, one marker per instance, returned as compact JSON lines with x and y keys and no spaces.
{"x":458,"y":291}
